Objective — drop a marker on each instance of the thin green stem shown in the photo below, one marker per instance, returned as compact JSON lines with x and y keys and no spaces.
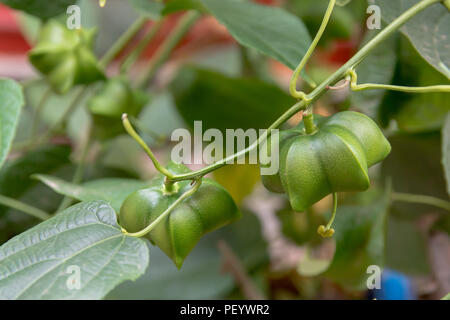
{"x":37,"y":114}
{"x":327,"y":231}
{"x":136,"y":53}
{"x":309,"y":52}
{"x":79,"y":171}
{"x":333,"y":213}
{"x":422,"y":199}
{"x":164,"y":51}
{"x":163,"y":215}
{"x":308,"y":121}
{"x":23,"y":207}
{"x":118,"y":46}
{"x":368,"y":86}
{"x":130,"y":130}
{"x":70,"y":109}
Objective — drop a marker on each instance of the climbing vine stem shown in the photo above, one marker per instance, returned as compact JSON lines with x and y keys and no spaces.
{"x":366,"y":86}
{"x":422,"y":199}
{"x":309,"y":52}
{"x":130,"y":130}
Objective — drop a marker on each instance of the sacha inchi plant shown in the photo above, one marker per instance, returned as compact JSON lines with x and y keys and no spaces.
{"x":106,"y":236}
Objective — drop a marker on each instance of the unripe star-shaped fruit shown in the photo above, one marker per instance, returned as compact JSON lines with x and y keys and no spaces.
{"x":65,"y":56}
{"x":335,"y":158}
{"x":210,"y":208}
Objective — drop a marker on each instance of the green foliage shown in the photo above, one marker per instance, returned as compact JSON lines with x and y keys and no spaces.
{"x":414,"y":166}
{"x":360,"y":241}
{"x":11,"y":102}
{"x":15,"y":177}
{"x":427,"y":31}
{"x":179,"y":5}
{"x":420,"y":112}
{"x":149,"y":8}
{"x":40,"y":8}
{"x":222,"y":102}
{"x":34,"y":266}
{"x":233,"y":89}
{"x":336,"y":158}
{"x":446,"y":150}
{"x":272,"y":31}
{"x":378,"y":67}
{"x":112,"y":190}
{"x":112,"y":100}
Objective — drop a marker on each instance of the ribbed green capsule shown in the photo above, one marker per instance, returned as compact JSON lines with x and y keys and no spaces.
{"x":335,"y":158}
{"x":113,"y":99}
{"x":210,"y":208}
{"x":65,"y":56}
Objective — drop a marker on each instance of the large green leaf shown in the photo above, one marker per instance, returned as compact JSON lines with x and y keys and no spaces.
{"x":427,"y":31}
{"x":149,"y":8}
{"x":270,"y":30}
{"x":378,"y":67}
{"x":11,"y":102}
{"x":37,"y":264}
{"x":446,"y":150}
{"x":41,"y":8}
{"x":360,"y":241}
{"x":179,"y":5}
{"x":224,"y":103}
{"x":201,"y":276}
{"x":112,"y":190}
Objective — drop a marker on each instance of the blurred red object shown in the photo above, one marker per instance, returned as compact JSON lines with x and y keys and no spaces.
{"x":12,"y":41}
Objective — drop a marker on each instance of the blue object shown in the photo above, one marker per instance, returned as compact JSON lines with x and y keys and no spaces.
{"x":394,"y":286}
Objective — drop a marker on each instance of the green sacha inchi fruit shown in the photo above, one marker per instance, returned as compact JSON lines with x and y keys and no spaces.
{"x":65,"y":56}
{"x":334,"y":158}
{"x":210,"y":208}
{"x":114,"y":98}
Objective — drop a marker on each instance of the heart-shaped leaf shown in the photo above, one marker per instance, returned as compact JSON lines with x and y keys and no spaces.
{"x":11,"y":102}
{"x":112,"y":190}
{"x":80,"y":253}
